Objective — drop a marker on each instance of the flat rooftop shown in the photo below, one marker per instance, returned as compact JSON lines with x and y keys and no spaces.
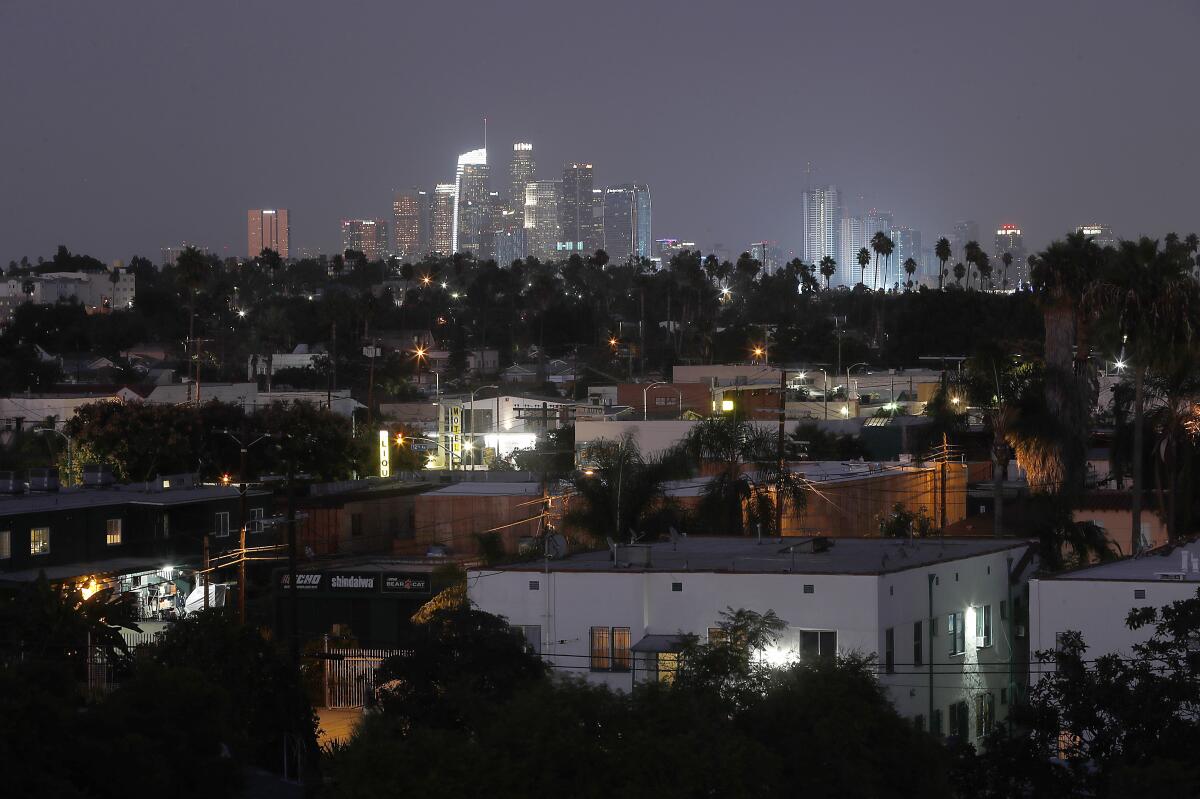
{"x":1164,"y":564}
{"x":138,"y":494}
{"x":791,"y":555}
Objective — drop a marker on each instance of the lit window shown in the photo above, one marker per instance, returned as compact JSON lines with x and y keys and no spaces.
{"x":39,"y":541}
{"x":601,"y":649}
{"x":5,"y":544}
{"x":222,"y":524}
{"x":622,"y":657}
{"x":610,"y":649}
{"x":112,"y":533}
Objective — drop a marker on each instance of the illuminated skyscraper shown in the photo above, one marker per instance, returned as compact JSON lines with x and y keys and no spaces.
{"x":576,"y":211}
{"x":441,"y":220}
{"x":1008,"y":239}
{"x":541,"y":218}
{"x":768,"y":254}
{"x":627,"y":221}
{"x":821,"y":221}
{"x":368,"y":236}
{"x":267,"y":229}
{"x":410,"y":224}
{"x":854,"y":238}
{"x":471,"y":206}
{"x":906,"y":243}
{"x":522,"y":171}
{"x":1101,"y":234}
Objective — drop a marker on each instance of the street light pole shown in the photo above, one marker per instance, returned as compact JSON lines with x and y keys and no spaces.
{"x":645,"y":398}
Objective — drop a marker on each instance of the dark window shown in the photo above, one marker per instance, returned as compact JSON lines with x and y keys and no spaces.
{"x":256,"y":520}
{"x":985,"y":714}
{"x":983,"y":626}
{"x":889,"y":650}
{"x":957,"y":628}
{"x":532,"y":633}
{"x":816,"y":644}
{"x":918,"y":646}
{"x":676,"y":586}
{"x":356,"y":525}
{"x":1004,"y":696}
{"x":959,"y":720}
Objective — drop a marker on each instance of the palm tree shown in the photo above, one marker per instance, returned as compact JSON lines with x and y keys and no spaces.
{"x":959,"y":271}
{"x":942,"y":251}
{"x":971,"y":251}
{"x":889,"y":247}
{"x":828,"y":268}
{"x":621,"y":491}
{"x":864,"y":258}
{"x":1007,"y":260}
{"x":984,"y":264}
{"x":910,"y":269}
{"x":877,"y":244}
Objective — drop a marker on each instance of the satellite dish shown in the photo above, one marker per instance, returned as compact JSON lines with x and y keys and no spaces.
{"x":556,"y":546}
{"x":634,"y":536}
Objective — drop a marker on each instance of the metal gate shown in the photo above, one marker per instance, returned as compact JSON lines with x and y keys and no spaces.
{"x":350,"y":675}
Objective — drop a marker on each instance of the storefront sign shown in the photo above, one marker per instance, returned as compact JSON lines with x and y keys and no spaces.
{"x":406,"y":583}
{"x":354,"y":582}
{"x":385,"y":460}
{"x":304,"y":582}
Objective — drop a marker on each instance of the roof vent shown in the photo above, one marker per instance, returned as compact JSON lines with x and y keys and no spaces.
{"x":43,"y":479}
{"x":96,"y":475}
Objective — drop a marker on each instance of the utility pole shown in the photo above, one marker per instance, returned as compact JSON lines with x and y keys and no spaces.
{"x":779,"y":446}
{"x":205,"y":581}
{"x":293,"y":609}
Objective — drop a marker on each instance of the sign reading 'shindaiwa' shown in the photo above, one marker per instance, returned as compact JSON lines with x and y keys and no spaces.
{"x":353,"y":582}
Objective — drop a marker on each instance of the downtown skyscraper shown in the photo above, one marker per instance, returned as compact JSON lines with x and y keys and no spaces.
{"x":472,"y":209}
{"x":441,"y":220}
{"x":821,"y":224}
{"x":267,"y":229}
{"x":542,"y":229}
{"x":522,"y":171}
{"x":368,"y":236}
{"x":1009,"y":240}
{"x":627,"y":219}
{"x":410,"y":224}
{"x":576,"y":211}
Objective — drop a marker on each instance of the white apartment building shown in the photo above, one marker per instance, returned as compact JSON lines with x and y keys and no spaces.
{"x":937,"y":613}
{"x":1095,"y":601}
{"x":97,"y":292}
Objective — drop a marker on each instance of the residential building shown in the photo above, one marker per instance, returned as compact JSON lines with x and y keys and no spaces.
{"x":854,"y":238}
{"x":410,"y":224}
{"x":441,"y":220}
{"x":935,"y":613}
{"x":368,"y":236}
{"x":906,"y":243}
{"x":1009,"y":240}
{"x":627,"y":222}
{"x":1096,"y":600}
{"x":97,"y":292}
{"x":821,"y":220}
{"x":577,"y":230}
{"x":471,"y":206}
{"x":542,"y":218}
{"x":522,"y":170}
{"x":267,"y":229}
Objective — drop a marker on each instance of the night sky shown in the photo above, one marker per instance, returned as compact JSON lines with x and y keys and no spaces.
{"x":128,"y":126}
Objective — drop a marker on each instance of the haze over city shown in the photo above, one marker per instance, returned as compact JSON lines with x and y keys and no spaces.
{"x":136,"y":125}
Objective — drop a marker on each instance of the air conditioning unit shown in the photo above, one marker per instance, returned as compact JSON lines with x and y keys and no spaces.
{"x":96,"y":475}
{"x":43,"y":479}
{"x":1020,"y":628}
{"x":1176,"y":577}
{"x":981,"y":642}
{"x":10,"y":484}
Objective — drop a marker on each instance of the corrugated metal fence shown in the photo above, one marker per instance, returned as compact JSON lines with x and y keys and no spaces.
{"x":350,"y":675}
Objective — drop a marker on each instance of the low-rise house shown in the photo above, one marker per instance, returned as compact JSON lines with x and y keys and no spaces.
{"x":936,"y":613}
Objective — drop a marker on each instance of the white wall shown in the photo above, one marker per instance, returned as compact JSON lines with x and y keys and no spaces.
{"x":860,"y":608}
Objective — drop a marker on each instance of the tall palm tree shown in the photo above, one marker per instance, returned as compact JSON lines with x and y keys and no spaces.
{"x":889,"y":247}
{"x":864,"y":258}
{"x":971,"y":251}
{"x":942,"y":251}
{"x":984,"y":264}
{"x":828,"y":268}
{"x":877,"y":245}
{"x":959,"y":271}
{"x":910,"y":269}
{"x":1007,"y":260}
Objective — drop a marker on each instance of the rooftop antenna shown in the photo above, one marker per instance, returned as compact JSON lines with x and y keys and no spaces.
{"x":485,"y":134}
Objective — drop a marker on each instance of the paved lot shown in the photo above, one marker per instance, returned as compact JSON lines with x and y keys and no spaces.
{"x":336,"y":725}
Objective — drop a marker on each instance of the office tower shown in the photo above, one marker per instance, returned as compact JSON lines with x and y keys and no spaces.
{"x":576,"y":211}
{"x":627,"y":221}
{"x":267,"y":229}
{"x":821,"y":218}
{"x":854,"y":238}
{"x":1102,"y":235}
{"x":542,"y":218}
{"x":441,"y":220}
{"x":875,"y":221}
{"x":410,"y":224}
{"x":1008,"y":239}
{"x":964,"y":231}
{"x":511,"y":244}
{"x":666,"y":249}
{"x":522,"y":171}
{"x":368,"y":236}
{"x":906,"y":243}
{"x":768,"y":254}
{"x":470,"y":201}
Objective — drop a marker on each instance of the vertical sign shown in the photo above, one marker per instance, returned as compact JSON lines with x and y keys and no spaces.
{"x":385,"y":462}
{"x":455,"y":434}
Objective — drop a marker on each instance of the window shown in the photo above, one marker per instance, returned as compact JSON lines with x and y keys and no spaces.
{"x":222,"y":522}
{"x":666,"y":400}
{"x":5,"y":544}
{"x":985,"y":713}
{"x":983,"y":626}
{"x":889,"y":650}
{"x":959,"y":720}
{"x":816,"y":644}
{"x":532,"y":633}
{"x":39,"y":541}
{"x":933,"y":626}
{"x":1004,"y":696}
{"x":666,"y":666}
{"x":256,"y":520}
{"x":935,"y":723}
{"x":956,"y":627}
{"x":112,"y":533}
{"x":601,"y":649}
{"x":356,"y":525}
{"x":622,"y":657}
{"x":917,"y":644}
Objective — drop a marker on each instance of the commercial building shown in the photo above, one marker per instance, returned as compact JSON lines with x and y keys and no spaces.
{"x":768,"y":254}
{"x":441,"y":220}
{"x":964,"y":232}
{"x":935,"y":612}
{"x":1101,"y":234}
{"x":1095,"y":601}
{"x":906,"y":244}
{"x":522,"y":170}
{"x":410,"y":224}
{"x":97,"y":292}
{"x":1009,"y":240}
{"x":368,"y":236}
{"x":576,"y":213}
{"x":471,"y":206}
{"x":821,"y":220}
{"x":627,"y":222}
{"x":267,"y":229}
{"x":854,"y":237}
{"x":542,"y":218}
